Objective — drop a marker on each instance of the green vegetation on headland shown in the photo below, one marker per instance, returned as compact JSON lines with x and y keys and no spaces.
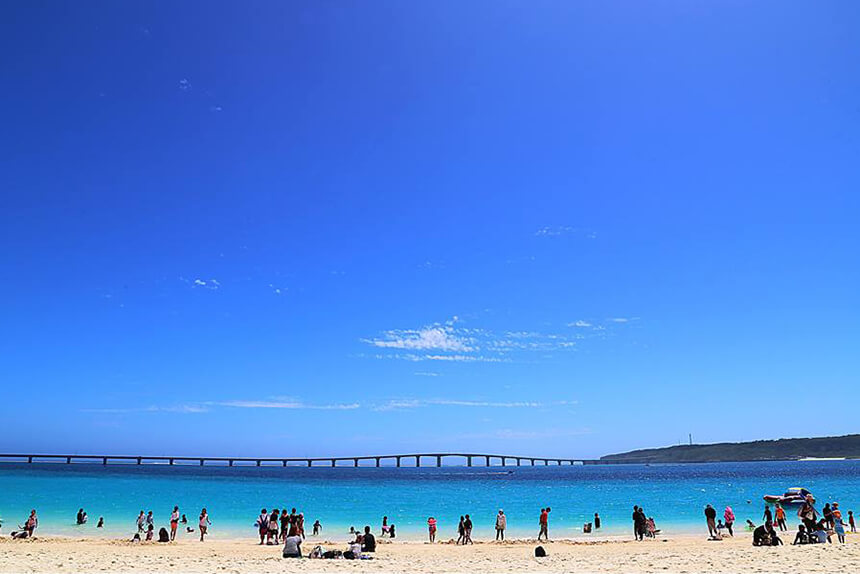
{"x":847,"y":446}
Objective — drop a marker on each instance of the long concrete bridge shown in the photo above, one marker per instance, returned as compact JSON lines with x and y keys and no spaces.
{"x":398,"y":460}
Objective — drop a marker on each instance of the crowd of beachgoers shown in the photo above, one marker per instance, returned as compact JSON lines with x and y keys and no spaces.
{"x":287,"y":528}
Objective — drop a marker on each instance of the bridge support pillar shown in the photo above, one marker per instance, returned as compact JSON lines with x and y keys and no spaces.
{"x":487,"y":460}
{"x":201,"y":462}
{"x":378,"y":462}
{"x":398,"y":462}
{"x":333,"y":463}
{"x":310,"y":462}
{"x":355,"y":462}
{"x":259,"y":463}
{"x":518,"y":462}
{"x":438,"y":460}
{"x":546,"y":462}
{"x":230,"y":462}
{"x":104,"y":461}
{"x":504,"y":461}
{"x":417,"y":460}
{"x":469,"y":461}
{"x":68,"y":460}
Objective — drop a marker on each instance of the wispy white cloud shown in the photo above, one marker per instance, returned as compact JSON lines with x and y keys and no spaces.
{"x":579,"y":323}
{"x":186,"y":409}
{"x":211,"y":284}
{"x":184,"y":85}
{"x":285,"y":405}
{"x":396,"y":404}
{"x":425,"y":374}
{"x":277,"y":290}
{"x":431,"y":338}
{"x":562,"y":230}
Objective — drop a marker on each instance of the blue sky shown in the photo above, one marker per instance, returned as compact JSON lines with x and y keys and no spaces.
{"x":311,"y":228}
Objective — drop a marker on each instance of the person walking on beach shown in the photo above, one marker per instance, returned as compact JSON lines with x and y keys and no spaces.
{"x":150,"y":520}
{"x":711,"y":516}
{"x":544,"y":524}
{"x":779,"y":514}
{"x":467,"y":531}
{"x":729,"y":517}
{"x":203,"y":523}
{"x":851,"y":521}
{"x":461,"y":530}
{"x":768,"y":517}
{"x":141,"y":523}
{"x":431,"y":529}
{"x":639,"y":523}
{"x":174,"y":522}
{"x":596,"y":521}
{"x":501,"y":525}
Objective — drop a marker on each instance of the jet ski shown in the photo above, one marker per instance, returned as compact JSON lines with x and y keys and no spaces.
{"x":795,"y":495}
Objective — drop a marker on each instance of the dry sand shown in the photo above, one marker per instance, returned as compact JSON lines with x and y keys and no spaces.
{"x":676,"y":554}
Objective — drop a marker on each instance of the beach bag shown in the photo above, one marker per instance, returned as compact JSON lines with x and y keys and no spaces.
{"x":540,"y":552}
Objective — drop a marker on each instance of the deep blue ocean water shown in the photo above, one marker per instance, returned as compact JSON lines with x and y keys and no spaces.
{"x":340,"y":497}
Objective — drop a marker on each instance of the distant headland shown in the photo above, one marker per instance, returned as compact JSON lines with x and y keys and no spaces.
{"x":830,"y":447}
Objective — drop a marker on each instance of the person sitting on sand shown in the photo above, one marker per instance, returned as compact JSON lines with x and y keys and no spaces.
{"x":431,"y":529}
{"x":762,"y":534}
{"x":391,"y":532}
{"x":368,"y":541}
{"x":293,"y":545}
{"x":353,"y":551}
{"x":163,"y":535}
{"x":801,"y":536}
{"x":150,"y":532}
{"x":821,"y":534}
{"x":101,"y":522}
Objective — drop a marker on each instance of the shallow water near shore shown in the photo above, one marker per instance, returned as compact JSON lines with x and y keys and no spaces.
{"x":342,"y":497}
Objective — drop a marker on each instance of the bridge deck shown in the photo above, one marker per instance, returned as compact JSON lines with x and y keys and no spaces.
{"x":436,"y":458}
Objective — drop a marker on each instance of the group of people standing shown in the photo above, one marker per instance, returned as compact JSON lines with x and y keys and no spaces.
{"x":643,"y":526}
{"x":146,"y":526}
{"x":279,"y":525}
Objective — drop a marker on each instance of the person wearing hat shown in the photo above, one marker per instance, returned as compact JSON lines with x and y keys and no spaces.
{"x":808,"y":514}
{"x":501,"y":524}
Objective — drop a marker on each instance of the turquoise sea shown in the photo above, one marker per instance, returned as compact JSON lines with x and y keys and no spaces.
{"x":340,"y":497}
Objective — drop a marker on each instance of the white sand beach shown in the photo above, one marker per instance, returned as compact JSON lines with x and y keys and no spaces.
{"x":683,"y":554}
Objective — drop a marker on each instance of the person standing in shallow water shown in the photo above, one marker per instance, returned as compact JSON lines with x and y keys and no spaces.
{"x":204,"y":523}
{"x":461,"y":530}
{"x":174,"y":522}
{"x":467,"y":531}
{"x":431,"y":529}
{"x":768,"y":517}
{"x":596,"y":521}
{"x":501,"y":525}
{"x":779,"y":514}
{"x":729,"y":517}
